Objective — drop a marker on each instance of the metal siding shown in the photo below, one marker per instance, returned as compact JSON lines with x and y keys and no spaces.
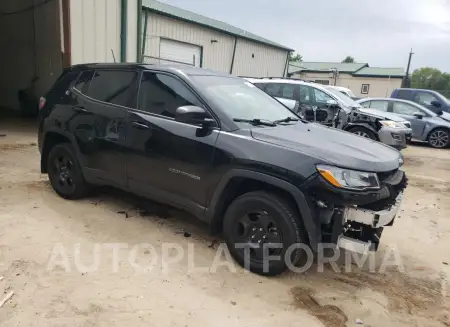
{"x":95,"y":30}
{"x":216,"y":56}
{"x":267,"y":61}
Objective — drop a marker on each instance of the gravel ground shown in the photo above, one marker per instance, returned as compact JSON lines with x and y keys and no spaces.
{"x":86,"y":263}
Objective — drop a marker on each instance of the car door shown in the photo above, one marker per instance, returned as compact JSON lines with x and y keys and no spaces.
{"x":168,"y":160}
{"x":409,"y":112}
{"x":101,"y":99}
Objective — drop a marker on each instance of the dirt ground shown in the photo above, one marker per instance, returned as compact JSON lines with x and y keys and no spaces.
{"x":49,"y":249}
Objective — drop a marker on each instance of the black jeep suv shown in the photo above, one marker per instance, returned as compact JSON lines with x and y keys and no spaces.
{"x":219,"y":147}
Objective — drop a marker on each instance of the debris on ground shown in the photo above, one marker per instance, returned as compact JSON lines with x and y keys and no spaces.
{"x":213,"y":244}
{"x":2,"y":135}
{"x":233,"y":303}
{"x":359,"y":321}
{"x":2,"y":278}
{"x":7,"y":297}
{"x":123,"y":213}
{"x":445,"y":263}
{"x":187,"y":234}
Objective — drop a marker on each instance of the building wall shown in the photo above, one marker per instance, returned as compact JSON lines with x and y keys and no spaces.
{"x":95,"y":30}
{"x":378,"y":86}
{"x":258,"y":60}
{"x":216,"y":56}
{"x":251,"y":58}
{"x":30,"y":56}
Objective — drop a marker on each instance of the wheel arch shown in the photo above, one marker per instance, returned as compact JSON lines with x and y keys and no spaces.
{"x":351,"y":126}
{"x":240,"y":181}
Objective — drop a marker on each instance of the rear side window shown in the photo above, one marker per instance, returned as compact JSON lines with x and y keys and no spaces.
{"x":58,"y":91}
{"x":261,"y":86}
{"x":83,"y":81}
{"x":115,"y":86}
{"x":379,"y":105}
{"x":273,"y":89}
{"x":404,"y":94}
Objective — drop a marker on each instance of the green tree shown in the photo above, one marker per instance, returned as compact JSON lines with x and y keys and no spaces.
{"x":349,"y":60}
{"x":296,"y":57}
{"x":430,"y":78}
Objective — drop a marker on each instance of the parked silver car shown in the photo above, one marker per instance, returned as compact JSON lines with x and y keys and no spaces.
{"x":427,"y":126}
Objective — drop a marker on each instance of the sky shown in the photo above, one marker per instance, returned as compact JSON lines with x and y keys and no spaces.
{"x":378,"y":32}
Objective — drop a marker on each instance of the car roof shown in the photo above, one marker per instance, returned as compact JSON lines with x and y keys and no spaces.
{"x":413,"y":89}
{"x":175,"y":68}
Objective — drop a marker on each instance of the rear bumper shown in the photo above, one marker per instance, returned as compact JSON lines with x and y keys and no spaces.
{"x":396,"y":137}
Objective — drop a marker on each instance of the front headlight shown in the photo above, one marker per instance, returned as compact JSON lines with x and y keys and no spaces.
{"x":392,"y":124}
{"x":349,"y":179}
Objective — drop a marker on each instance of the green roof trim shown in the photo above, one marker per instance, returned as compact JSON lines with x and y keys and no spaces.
{"x":325,"y":66}
{"x":191,"y":17}
{"x":381,"y":72}
{"x":355,"y":69}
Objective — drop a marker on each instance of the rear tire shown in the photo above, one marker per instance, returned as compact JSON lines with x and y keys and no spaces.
{"x":439,"y":138}
{"x":364,"y":132}
{"x":65,"y":173}
{"x":260,"y":218}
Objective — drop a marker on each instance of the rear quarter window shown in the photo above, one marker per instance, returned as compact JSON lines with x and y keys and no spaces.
{"x":58,"y":92}
{"x":404,"y":94}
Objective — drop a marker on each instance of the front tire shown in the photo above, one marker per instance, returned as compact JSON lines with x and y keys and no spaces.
{"x":64,"y":172}
{"x":439,"y":138}
{"x":364,"y":132}
{"x":270,"y":225}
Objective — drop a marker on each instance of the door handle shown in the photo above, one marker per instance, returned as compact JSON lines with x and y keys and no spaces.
{"x":139,"y":125}
{"x":79,"y":109}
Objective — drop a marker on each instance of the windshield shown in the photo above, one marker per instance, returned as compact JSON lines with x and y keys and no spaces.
{"x":343,"y":98}
{"x":239,"y":98}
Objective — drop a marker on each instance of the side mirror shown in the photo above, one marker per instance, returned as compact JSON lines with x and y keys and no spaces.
{"x":194,"y":115}
{"x":332,"y":103}
{"x":418,"y":115}
{"x":435,"y":103}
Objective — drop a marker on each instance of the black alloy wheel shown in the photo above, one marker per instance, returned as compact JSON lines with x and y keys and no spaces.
{"x":260,"y":228}
{"x":64,"y":172}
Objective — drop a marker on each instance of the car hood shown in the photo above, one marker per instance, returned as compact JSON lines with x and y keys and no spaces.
{"x":383,"y":115}
{"x":331,"y":145}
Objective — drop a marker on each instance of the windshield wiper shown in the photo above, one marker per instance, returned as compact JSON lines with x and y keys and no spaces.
{"x":286,"y":120}
{"x":255,"y":121}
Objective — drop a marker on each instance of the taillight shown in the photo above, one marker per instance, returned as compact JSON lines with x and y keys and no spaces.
{"x":42,"y":101}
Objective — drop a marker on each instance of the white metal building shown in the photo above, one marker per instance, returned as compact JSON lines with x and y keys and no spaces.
{"x":41,"y":37}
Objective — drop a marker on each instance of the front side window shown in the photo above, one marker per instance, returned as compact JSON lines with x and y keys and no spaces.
{"x":405,"y":109}
{"x":379,"y":105}
{"x":321,"y":97}
{"x":163,"y":94}
{"x":425,"y":98}
{"x":115,"y":87}
{"x":238,"y":98}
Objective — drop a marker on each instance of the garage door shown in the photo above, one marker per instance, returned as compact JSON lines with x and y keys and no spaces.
{"x":179,"y":52}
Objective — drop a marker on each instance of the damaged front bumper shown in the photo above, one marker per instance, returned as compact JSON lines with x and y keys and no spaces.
{"x":355,"y":220}
{"x":368,"y":222}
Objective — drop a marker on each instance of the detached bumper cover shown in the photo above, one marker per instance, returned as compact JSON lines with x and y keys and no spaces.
{"x":374,"y":219}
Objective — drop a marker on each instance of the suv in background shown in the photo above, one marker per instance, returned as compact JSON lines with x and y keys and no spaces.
{"x":219,"y":147}
{"x":328,"y":106}
{"x":430,"y":99}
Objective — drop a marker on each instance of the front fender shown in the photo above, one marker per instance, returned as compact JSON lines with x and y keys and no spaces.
{"x":360,"y":124}
{"x":214,"y":209}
